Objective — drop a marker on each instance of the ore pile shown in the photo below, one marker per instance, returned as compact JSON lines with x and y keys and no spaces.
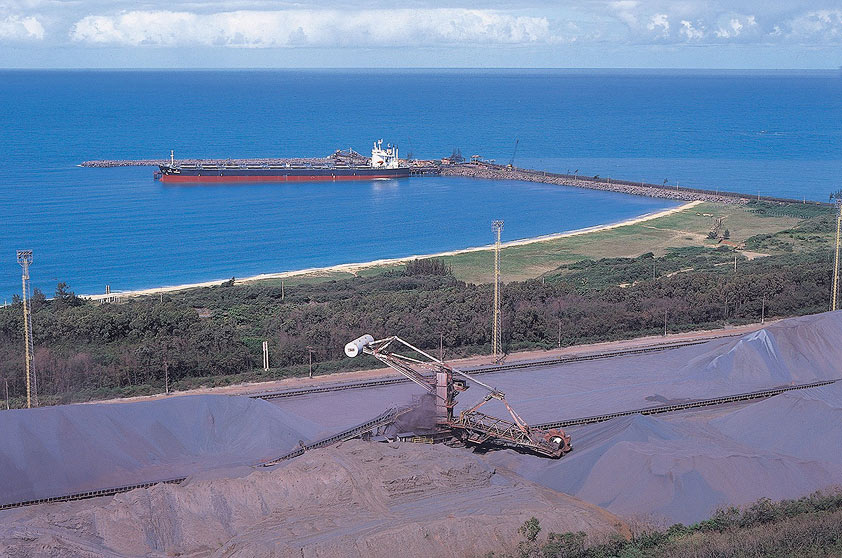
{"x":53,"y":451}
{"x":358,"y":500}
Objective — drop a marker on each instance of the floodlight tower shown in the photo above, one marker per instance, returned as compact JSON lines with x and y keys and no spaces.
{"x":25,"y":260}
{"x":836,"y":263}
{"x":497,"y":327}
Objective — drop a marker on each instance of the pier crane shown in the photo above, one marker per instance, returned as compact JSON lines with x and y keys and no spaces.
{"x":511,"y":164}
{"x":444,"y":383}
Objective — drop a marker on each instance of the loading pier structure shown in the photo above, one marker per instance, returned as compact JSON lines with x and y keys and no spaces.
{"x":475,"y":168}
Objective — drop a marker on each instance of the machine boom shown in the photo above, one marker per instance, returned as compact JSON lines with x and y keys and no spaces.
{"x":444,"y":382}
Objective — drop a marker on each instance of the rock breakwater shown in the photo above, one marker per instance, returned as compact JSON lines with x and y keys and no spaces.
{"x":498,"y":172}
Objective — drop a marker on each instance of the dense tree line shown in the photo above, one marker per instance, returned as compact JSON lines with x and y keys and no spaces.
{"x":83,"y":346}
{"x":87,"y":349}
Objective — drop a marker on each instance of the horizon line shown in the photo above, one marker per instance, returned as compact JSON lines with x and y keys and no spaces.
{"x":427,"y":68}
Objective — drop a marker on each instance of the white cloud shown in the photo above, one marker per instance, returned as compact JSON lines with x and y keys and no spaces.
{"x":260,"y":24}
{"x":690,"y":31}
{"x":721,"y":21}
{"x":17,"y":28}
{"x":315,"y":28}
{"x":625,"y":11}
{"x":659,"y":23}
{"x":817,"y":26}
{"x":736,"y":26}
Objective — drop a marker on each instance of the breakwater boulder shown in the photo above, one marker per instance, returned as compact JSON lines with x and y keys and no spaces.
{"x":497,"y":172}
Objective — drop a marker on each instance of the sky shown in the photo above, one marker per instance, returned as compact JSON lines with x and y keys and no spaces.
{"x":728,"y":34}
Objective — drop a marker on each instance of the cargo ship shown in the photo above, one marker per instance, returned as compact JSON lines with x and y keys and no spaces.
{"x":384,"y":164}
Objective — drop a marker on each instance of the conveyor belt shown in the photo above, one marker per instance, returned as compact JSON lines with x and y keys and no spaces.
{"x":380,"y":420}
{"x":89,"y":494}
{"x":682,"y":406}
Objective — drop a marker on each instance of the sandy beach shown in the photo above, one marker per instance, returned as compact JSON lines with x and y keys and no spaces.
{"x":354,"y":268}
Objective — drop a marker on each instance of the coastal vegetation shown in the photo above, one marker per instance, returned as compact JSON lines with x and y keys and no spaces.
{"x":688,"y":227}
{"x":806,"y":527}
{"x":643,"y":281}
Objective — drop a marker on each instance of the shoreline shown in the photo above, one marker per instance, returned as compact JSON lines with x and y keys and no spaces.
{"x":353,"y":268}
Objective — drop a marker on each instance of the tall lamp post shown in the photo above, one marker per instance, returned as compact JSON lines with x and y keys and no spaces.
{"x":837,"y":196}
{"x":310,"y":356}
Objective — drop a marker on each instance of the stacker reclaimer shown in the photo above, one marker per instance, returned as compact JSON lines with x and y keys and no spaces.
{"x":444,"y":383}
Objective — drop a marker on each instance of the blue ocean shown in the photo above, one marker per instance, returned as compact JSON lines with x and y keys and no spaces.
{"x":769,"y":133}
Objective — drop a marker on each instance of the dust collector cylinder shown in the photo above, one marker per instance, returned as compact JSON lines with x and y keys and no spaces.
{"x":355,"y":347}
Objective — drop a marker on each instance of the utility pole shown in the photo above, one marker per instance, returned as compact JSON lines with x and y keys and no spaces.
{"x":665,"y":323}
{"x":166,"y":369}
{"x":735,"y":263}
{"x":763,"y":311}
{"x":6,"y":381}
{"x":441,"y":346}
{"x":496,"y":330}
{"x":282,"y":290}
{"x":310,"y":353}
{"x":265,"y":356}
{"x":559,"y":332}
{"x":25,"y":260}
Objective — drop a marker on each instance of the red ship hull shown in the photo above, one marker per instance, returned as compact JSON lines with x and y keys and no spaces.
{"x":182,"y":179}
{"x":249,"y":175}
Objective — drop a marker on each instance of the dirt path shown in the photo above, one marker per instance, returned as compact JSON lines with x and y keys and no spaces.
{"x":524,"y":356}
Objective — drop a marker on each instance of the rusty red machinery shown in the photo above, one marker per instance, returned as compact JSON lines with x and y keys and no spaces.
{"x":444,"y":383}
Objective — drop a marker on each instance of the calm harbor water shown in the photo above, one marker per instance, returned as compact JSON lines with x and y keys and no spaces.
{"x":779,"y":134}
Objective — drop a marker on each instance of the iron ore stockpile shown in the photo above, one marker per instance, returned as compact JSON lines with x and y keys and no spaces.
{"x":381,"y":499}
{"x":347,"y":157}
{"x":359,"y":499}
{"x":111,"y":163}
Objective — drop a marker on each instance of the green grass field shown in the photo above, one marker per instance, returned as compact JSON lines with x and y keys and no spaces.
{"x":682,"y":229}
{"x":685,"y":228}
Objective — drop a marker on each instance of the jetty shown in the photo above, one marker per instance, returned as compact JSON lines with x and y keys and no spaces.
{"x":481,"y":169}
